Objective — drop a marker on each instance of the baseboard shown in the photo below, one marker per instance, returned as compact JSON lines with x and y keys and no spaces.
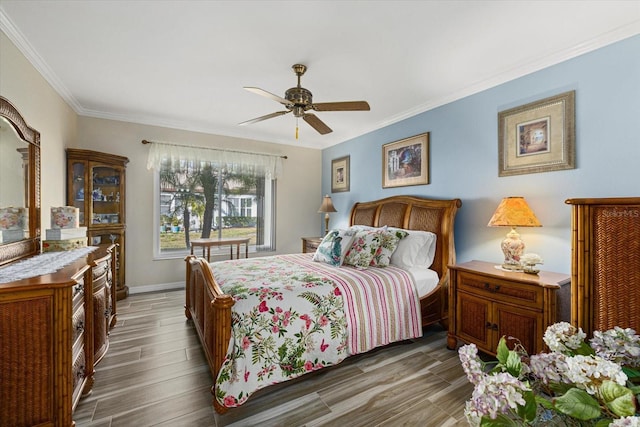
{"x":156,"y":288}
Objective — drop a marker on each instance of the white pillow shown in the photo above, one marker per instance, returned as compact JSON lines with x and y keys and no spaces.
{"x":416,"y":250}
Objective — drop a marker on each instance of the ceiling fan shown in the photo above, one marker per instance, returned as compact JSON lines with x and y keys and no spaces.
{"x":298,"y":100}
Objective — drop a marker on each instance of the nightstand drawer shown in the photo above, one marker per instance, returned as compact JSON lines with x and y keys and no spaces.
{"x":501,"y":290}
{"x":310,"y":244}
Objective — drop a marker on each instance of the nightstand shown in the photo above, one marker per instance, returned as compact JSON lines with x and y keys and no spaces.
{"x":310,"y":244}
{"x":486,"y":303}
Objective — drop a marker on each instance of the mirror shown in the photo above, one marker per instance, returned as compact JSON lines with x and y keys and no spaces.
{"x":19,"y":186}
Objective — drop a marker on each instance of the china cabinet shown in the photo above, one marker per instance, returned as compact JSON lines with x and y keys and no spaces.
{"x":96,"y":185}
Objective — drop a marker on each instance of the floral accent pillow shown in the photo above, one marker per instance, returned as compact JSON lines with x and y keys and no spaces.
{"x":364,"y":247}
{"x":334,"y":247}
{"x":389,"y":241}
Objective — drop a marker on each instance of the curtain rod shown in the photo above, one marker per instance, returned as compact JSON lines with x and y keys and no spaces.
{"x":144,"y":141}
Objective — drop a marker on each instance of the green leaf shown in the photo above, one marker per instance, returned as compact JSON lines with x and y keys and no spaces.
{"x":514,"y":364}
{"x":500,"y":421}
{"x":631,"y":373}
{"x":528,"y":411}
{"x":585,"y":349}
{"x":560,"y":388}
{"x":502,"y":352}
{"x":577,"y":404}
{"x":603,"y":423}
{"x":545,"y":403}
{"x":618,"y":398}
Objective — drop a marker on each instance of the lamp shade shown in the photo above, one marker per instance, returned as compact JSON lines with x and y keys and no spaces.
{"x":514,"y":212}
{"x":327,"y":205}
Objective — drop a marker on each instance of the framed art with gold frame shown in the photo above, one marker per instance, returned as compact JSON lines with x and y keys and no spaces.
{"x":340,"y":174}
{"x":406,"y":162}
{"x":537,"y":137}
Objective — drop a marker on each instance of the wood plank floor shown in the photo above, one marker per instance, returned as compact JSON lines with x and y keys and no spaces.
{"x":155,"y":374}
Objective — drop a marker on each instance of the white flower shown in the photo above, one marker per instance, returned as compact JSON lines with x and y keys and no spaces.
{"x":495,"y":394}
{"x":562,"y":337}
{"x":548,"y":367}
{"x":531,"y":259}
{"x":589,"y":372}
{"x":470,"y":363}
{"x":626,"y":422}
{"x":618,"y":345}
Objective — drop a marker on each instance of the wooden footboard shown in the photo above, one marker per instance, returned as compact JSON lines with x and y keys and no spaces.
{"x":210,"y":310}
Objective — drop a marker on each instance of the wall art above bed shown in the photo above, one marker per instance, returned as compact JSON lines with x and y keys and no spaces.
{"x":340,"y":174}
{"x":406,"y":162}
{"x":537,"y":137}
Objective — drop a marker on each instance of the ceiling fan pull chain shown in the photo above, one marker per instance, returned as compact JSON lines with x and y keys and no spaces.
{"x":296,"y":128}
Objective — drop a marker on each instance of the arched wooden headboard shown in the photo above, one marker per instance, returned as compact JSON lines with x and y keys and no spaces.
{"x":414,"y":213}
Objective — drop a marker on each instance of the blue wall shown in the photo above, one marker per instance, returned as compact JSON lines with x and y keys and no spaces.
{"x":464,"y":154}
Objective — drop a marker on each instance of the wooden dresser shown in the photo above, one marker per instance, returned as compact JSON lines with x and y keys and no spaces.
{"x":48,"y":340}
{"x":486,"y":303}
{"x":605,"y":263}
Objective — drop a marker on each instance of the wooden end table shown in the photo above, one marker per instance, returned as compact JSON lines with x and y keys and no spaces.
{"x":207,"y":243}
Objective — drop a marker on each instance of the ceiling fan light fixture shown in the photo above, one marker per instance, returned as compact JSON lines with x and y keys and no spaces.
{"x":299,"y":99}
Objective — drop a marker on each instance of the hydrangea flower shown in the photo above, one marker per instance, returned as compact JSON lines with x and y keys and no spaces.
{"x":562,"y":337}
{"x":589,"y":372}
{"x":495,"y":394}
{"x":471,"y":365}
{"x":618,"y":345}
{"x":552,"y":388}
{"x":626,"y":422}
{"x":549,"y":367}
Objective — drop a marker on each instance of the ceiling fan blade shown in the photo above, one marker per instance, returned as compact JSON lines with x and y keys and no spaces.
{"x":317,"y":124}
{"x":342,"y":106}
{"x":261,"y":118}
{"x":269,"y":95}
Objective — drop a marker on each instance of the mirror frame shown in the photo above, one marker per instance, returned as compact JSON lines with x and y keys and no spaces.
{"x":14,"y":251}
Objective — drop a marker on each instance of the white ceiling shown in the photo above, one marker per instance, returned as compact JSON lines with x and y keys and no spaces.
{"x":183,"y":64}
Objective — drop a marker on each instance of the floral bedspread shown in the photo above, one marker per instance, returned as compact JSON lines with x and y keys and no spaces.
{"x":293,"y":315}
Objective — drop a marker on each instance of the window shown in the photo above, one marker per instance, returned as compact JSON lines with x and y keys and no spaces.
{"x":197,"y":199}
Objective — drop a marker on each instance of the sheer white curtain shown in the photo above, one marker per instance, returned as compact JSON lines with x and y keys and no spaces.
{"x":262,"y":165}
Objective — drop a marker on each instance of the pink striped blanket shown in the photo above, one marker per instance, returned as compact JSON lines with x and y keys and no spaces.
{"x":293,"y":315}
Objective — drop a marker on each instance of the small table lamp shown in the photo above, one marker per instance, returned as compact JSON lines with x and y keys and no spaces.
{"x":513,"y":212}
{"x":326,"y":207}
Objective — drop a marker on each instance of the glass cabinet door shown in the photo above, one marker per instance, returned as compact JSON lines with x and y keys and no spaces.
{"x":106,"y":195}
{"x":78,"y":188}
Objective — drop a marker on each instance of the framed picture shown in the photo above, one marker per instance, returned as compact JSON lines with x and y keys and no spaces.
{"x":406,"y":162}
{"x":340,"y":174}
{"x":537,"y":137}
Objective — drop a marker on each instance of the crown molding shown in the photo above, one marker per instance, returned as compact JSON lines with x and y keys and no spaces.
{"x":23,"y":45}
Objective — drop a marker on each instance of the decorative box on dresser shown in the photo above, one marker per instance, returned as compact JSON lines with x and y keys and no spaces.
{"x":310,"y":244}
{"x":486,"y":303}
{"x":96,"y":185}
{"x":47,"y":353}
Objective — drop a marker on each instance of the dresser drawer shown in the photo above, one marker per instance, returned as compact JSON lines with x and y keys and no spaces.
{"x":77,"y":292}
{"x":520,"y":294}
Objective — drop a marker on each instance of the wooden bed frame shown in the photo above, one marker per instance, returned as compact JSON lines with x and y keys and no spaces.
{"x":210,"y":308}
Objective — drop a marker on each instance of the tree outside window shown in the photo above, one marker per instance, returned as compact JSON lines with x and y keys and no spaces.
{"x":200,"y":200}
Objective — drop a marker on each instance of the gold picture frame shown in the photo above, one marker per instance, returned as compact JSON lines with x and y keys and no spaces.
{"x":537,"y":137}
{"x":340,"y":174}
{"x":406,"y":162}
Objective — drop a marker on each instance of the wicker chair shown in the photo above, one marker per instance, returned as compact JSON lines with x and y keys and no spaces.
{"x":605,"y":271}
